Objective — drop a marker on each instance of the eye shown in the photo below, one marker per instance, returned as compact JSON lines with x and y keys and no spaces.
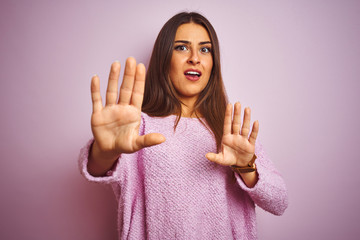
{"x":181,"y":48}
{"x":205,"y":50}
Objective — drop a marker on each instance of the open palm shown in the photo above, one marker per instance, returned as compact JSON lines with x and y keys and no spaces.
{"x":115,"y":126}
{"x":237,"y":147}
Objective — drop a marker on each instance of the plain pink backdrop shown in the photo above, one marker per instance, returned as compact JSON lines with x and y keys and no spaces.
{"x":295,"y":63}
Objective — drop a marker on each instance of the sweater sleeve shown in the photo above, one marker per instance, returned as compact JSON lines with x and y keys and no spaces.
{"x":111,"y":176}
{"x":270,"y":192}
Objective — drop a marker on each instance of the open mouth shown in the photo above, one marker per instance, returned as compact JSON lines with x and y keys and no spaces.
{"x":193,"y":73}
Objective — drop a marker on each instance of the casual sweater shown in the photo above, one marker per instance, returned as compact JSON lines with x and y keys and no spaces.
{"x":171,"y":191}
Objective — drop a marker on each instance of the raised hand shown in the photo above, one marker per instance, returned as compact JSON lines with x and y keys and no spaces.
{"x":238,"y":147}
{"x":115,"y":126}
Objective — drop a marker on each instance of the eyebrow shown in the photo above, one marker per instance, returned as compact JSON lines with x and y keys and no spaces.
{"x":188,"y":42}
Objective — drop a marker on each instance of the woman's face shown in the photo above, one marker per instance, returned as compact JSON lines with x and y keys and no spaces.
{"x":191,"y":62}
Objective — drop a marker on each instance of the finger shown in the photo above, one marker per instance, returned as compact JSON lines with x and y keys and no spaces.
{"x":254,"y":133}
{"x":128,"y":81}
{"x":227,"y":120}
{"x":246,"y":123}
{"x":149,"y":140}
{"x":139,"y":85}
{"x":112,"y":88}
{"x":237,"y":119}
{"x":95,"y":94}
{"x":216,"y":158}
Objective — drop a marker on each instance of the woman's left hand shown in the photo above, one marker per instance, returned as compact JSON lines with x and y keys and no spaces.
{"x":237,"y":147}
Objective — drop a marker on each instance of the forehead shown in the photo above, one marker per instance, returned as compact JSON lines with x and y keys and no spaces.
{"x":192,"y":32}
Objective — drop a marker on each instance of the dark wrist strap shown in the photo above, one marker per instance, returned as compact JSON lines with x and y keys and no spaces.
{"x":251,"y":167}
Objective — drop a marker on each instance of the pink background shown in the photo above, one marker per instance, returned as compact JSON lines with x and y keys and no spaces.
{"x":295,"y":63}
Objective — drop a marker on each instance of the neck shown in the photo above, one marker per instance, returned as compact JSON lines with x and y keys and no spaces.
{"x":186,"y":112}
{"x":189,"y":112}
{"x":188,"y":107}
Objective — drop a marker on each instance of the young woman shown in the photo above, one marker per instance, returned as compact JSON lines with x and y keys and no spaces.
{"x":181,"y":166}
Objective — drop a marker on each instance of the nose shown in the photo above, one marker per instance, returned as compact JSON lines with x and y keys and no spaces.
{"x":194,"y":58}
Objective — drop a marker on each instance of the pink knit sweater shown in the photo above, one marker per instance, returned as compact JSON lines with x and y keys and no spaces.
{"x":171,"y":191}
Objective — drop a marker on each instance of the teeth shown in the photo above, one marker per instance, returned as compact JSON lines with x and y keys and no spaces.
{"x":193,"y":73}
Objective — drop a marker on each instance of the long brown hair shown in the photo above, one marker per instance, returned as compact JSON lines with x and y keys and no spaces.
{"x":160,"y":97}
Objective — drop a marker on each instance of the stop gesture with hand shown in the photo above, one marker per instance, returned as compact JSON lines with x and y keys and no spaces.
{"x":238,"y":147}
{"x":115,"y":126}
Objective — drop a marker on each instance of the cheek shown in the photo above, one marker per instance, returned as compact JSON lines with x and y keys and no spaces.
{"x":173,"y":73}
{"x":174,"y":65}
{"x":172,"y":70}
{"x":209,"y":67}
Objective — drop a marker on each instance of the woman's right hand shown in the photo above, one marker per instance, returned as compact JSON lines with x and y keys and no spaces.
{"x":115,"y":126}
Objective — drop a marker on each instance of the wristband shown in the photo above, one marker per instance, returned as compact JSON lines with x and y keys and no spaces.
{"x":251,"y":167}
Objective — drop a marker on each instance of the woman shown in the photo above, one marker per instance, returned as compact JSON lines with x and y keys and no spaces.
{"x":180,"y":166}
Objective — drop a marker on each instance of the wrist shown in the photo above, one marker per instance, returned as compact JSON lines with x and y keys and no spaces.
{"x":99,"y":162}
{"x":250,"y":178}
{"x":250,"y":167}
{"x":97,"y":154}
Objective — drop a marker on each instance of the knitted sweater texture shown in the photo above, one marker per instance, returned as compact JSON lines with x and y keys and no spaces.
{"x":171,"y":191}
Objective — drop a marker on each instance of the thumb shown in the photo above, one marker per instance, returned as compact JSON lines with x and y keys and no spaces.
{"x":149,"y":140}
{"x":217,"y":158}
